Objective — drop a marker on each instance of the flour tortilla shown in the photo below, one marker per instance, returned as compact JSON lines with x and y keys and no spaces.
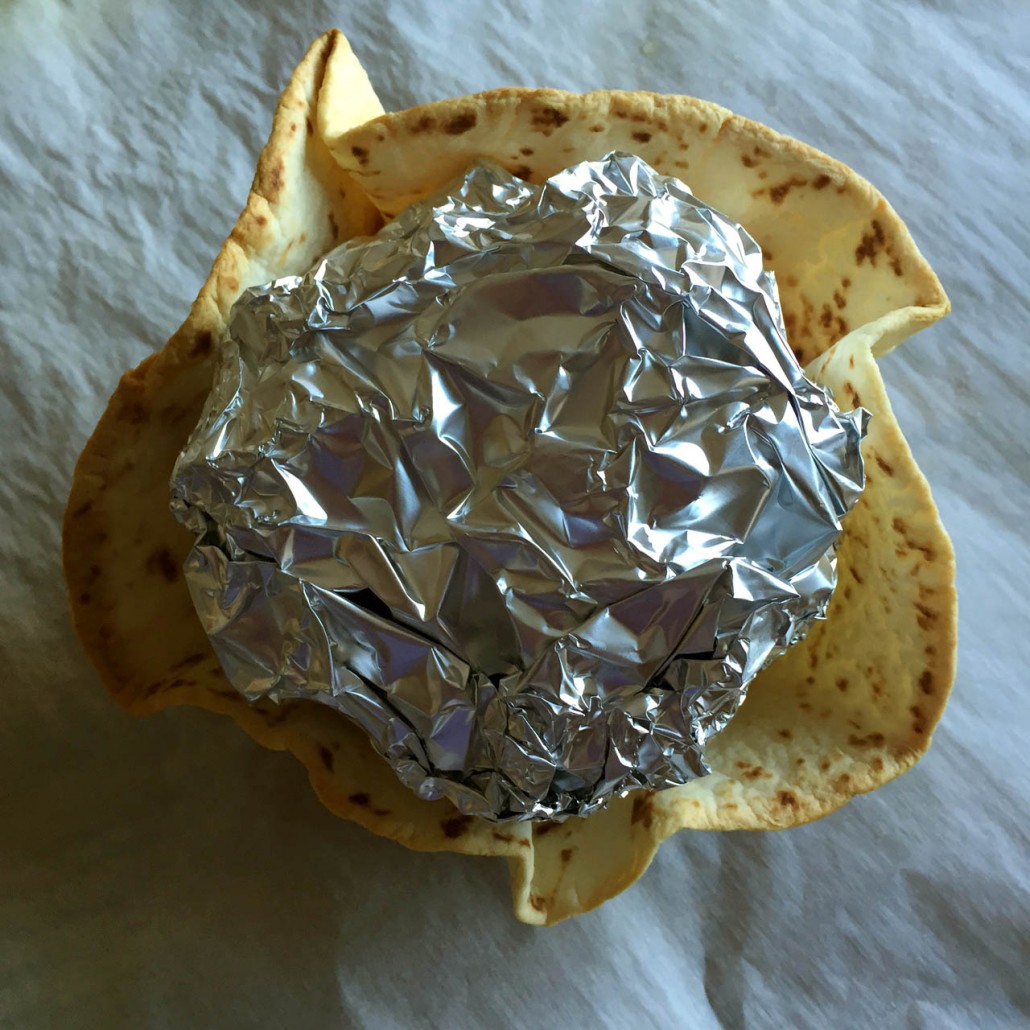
{"x":850,"y":708}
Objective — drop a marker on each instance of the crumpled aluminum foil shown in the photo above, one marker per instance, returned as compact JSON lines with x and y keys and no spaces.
{"x":529,"y":486}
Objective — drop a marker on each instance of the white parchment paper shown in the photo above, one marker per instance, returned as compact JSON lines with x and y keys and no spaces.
{"x":170,"y":873}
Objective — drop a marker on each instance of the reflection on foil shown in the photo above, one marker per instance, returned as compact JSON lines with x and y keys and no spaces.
{"x":529,"y":486}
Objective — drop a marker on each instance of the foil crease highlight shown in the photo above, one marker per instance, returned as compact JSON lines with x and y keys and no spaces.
{"x":529,"y":485}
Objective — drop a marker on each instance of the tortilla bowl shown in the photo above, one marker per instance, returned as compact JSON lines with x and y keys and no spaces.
{"x":846,"y":710}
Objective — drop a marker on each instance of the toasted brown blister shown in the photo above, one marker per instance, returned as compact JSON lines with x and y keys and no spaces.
{"x":843,"y":712}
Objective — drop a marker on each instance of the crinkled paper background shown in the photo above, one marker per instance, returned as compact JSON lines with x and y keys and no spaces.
{"x":168,"y":872}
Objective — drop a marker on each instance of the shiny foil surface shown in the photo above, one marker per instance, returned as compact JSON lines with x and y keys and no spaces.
{"x":529,"y":486}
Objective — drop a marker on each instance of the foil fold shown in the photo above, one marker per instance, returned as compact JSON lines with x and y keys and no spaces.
{"x":529,"y":485}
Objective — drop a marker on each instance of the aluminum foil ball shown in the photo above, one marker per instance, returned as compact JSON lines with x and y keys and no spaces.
{"x":529,"y":485}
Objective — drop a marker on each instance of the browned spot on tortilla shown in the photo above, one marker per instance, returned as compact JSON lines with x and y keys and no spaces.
{"x":791,"y":323}
{"x":361,"y":800}
{"x":309,"y":126}
{"x":840,"y":784}
{"x":566,"y":856}
{"x":756,"y":773}
{"x":876,"y":764}
{"x":548,"y":118}
{"x":826,"y":316}
{"x":460,"y":123}
{"x":526,"y":151}
{"x":509,"y":838}
{"x":768,"y":255}
{"x":786,"y":734}
{"x":274,"y":185}
{"x":327,"y":757}
{"x":820,"y":182}
{"x":261,"y":220}
{"x":540,"y":829}
{"x":361,"y":154}
{"x":873,"y":740}
{"x":135,"y":413}
{"x":813,"y":660}
{"x":189,"y":661}
{"x":884,"y":465}
{"x":83,"y":509}
{"x":643,"y":810}
{"x":703,"y":127}
{"x":537,"y":902}
{"x":841,"y":301}
{"x":163,"y":563}
{"x":334,"y":228}
{"x":597,"y":128}
{"x":901,"y":528}
{"x":276,"y":718}
{"x":777,"y":194}
{"x":747,"y":161}
{"x":641,"y":137}
{"x":871,"y":245}
{"x":203,"y":344}
{"x":522,"y":171}
{"x":929,"y":650}
{"x":455,"y":826}
{"x":926,"y":616}
{"x":896,"y":266}
{"x":786,"y":799}
{"x":424,"y":124}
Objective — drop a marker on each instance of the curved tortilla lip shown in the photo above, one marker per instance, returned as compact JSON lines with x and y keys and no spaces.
{"x":843,"y":712}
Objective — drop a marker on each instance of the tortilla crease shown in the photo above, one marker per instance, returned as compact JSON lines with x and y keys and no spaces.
{"x":848,"y":709}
